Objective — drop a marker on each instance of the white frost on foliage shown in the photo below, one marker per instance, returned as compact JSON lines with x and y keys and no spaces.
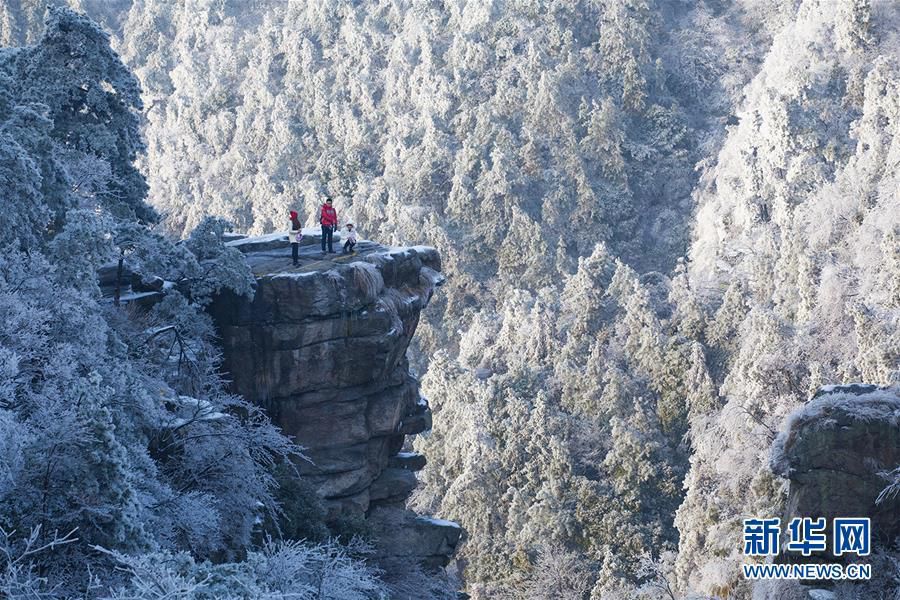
{"x":440,"y":522}
{"x":198,"y":410}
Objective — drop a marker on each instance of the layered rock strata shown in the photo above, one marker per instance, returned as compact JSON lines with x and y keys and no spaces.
{"x":322,"y":347}
{"x":838,"y":452}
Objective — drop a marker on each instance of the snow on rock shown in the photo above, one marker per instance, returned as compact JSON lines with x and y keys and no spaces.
{"x":259,"y":243}
{"x":857,"y":389}
{"x":142,"y":298}
{"x":295,"y":275}
{"x":411,"y":461}
{"x":834,"y":451}
{"x":440,"y":522}
{"x":855,"y":401}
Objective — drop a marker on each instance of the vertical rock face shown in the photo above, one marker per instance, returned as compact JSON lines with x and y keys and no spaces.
{"x":322,"y":348}
{"x":834,"y":451}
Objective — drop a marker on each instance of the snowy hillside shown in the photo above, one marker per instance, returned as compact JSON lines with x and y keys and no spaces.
{"x":664,"y":224}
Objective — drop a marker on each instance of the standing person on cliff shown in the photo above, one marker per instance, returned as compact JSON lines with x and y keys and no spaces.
{"x":329,"y":220}
{"x":296,"y":235}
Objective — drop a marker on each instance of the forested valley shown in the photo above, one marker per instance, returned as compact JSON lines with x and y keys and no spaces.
{"x":664,"y":225}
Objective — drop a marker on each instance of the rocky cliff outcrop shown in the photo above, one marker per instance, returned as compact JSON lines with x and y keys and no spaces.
{"x":322,"y":347}
{"x":835,"y":451}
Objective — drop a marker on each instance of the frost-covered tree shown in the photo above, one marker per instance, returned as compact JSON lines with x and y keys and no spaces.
{"x":558,"y":573}
{"x":279,"y":570}
{"x":801,"y":217}
{"x":745,"y":150}
{"x":119,"y":439}
{"x":93,"y":101}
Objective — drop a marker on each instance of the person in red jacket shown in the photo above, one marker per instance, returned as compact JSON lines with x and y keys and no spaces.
{"x":329,"y":220}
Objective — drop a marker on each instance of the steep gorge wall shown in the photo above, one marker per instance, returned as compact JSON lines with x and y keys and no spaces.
{"x":323,"y":349}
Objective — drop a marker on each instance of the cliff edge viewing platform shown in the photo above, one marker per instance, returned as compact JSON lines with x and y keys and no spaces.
{"x":322,"y":347}
{"x":271,"y":253}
